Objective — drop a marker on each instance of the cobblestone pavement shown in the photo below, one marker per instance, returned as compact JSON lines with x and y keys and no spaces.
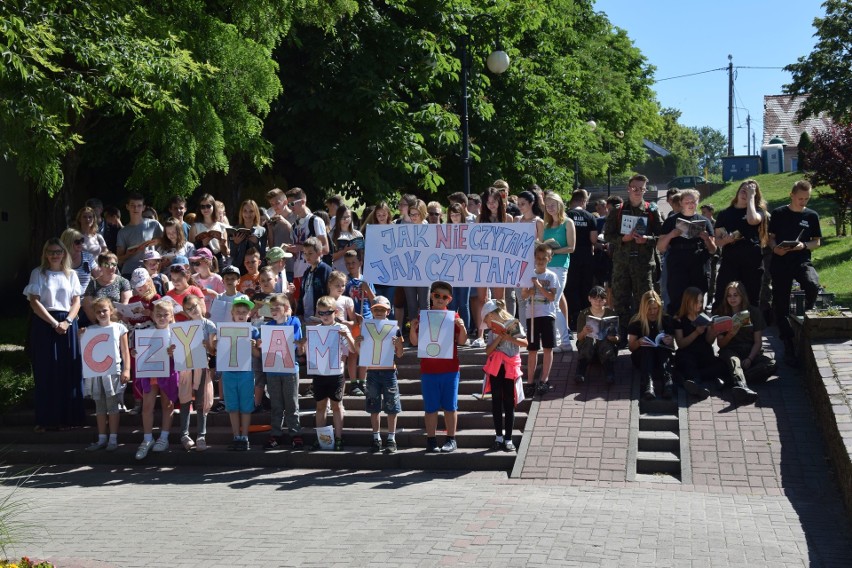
{"x":99,"y":517}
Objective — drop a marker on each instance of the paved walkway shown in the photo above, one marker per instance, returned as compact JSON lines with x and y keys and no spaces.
{"x":187,"y":518}
{"x":762,"y":494}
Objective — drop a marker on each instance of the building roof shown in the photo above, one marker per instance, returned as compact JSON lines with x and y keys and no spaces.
{"x":779,"y":119}
{"x":653,"y":148}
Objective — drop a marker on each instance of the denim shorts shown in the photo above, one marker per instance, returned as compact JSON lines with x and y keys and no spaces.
{"x":238,"y":387}
{"x":382,"y":386}
{"x":440,"y":392}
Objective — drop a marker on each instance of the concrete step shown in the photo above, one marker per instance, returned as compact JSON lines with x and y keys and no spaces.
{"x":659,"y":441}
{"x":657,"y":478}
{"x":658,"y":422}
{"x":657,"y":462}
{"x":658,"y":406}
{"x":351,"y":458}
{"x":12,"y":438}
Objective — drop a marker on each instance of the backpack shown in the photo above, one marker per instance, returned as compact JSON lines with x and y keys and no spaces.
{"x":326,"y":258}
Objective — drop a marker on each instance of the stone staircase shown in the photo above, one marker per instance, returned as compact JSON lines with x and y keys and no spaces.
{"x":475,"y":434}
{"x":660,"y":434}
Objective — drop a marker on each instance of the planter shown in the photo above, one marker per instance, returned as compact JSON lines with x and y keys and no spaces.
{"x":820,"y":326}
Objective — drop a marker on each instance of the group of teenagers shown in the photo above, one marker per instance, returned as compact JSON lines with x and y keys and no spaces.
{"x":286,"y":265}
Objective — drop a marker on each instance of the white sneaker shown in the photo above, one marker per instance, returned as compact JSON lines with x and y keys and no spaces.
{"x":143,"y":450}
{"x":95,"y":446}
{"x":201,"y":444}
{"x":187,"y":442}
{"x":161,"y":445}
{"x":478,"y":343}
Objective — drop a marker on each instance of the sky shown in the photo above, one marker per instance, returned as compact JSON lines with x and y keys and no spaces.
{"x":681,"y":37}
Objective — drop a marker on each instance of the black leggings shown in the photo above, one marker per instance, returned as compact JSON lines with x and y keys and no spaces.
{"x":503,"y":403}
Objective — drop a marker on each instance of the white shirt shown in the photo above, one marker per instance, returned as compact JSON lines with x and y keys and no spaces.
{"x":55,"y":290}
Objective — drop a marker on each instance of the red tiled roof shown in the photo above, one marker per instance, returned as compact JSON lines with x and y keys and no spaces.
{"x":779,"y":119}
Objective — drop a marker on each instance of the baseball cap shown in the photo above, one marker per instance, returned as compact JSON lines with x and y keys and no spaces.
{"x":138,"y":278}
{"x":380,"y":301}
{"x":490,"y":306}
{"x":202,"y":253}
{"x":180,"y":260}
{"x":276,"y":253}
{"x":229,"y":270}
{"x":151,"y":254}
{"x":243,"y":302}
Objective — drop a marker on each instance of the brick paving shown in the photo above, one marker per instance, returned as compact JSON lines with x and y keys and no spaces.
{"x":762,"y":494}
{"x":581,"y":431}
{"x":98,"y":517}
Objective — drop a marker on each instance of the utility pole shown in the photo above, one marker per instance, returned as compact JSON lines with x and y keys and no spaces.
{"x":748,"y":133}
{"x":754,"y":142}
{"x":730,"y":105}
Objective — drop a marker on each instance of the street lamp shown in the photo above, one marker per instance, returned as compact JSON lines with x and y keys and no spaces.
{"x":619,"y":135}
{"x":592,"y":125}
{"x":497,"y":62}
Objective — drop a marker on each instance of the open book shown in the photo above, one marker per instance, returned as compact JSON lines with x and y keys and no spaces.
{"x":552,"y":243}
{"x":792,"y":244}
{"x":656,"y":342}
{"x":703,"y":320}
{"x":508,"y":327}
{"x":724,"y":324}
{"x":603,"y":327}
{"x":129,"y":311}
{"x":233,"y":231}
{"x":633,"y":224}
{"x":690,"y":229}
{"x":357,"y":242}
{"x":208,"y":235}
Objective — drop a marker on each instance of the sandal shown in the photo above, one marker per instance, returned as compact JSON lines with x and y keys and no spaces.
{"x":338,"y":444}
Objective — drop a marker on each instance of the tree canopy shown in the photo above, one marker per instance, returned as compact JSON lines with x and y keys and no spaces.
{"x":182,"y":86}
{"x":374,"y":108}
{"x":829,"y":160}
{"x":826,"y":74}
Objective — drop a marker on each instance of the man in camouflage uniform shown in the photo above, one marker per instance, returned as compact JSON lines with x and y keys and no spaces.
{"x":633,"y":254}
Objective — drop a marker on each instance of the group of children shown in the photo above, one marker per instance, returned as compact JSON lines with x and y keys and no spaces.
{"x":330,"y":298}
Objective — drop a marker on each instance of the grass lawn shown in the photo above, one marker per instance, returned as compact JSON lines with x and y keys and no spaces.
{"x":833,"y":260}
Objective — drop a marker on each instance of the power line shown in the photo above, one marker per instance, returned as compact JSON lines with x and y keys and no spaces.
{"x":712,"y":70}
{"x":691,"y":74}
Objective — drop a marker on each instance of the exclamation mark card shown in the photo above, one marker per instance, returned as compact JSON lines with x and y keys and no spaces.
{"x":436,"y":334}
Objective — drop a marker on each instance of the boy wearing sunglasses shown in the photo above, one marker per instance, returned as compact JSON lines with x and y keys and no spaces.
{"x":331,"y":387}
{"x":440,"y":377}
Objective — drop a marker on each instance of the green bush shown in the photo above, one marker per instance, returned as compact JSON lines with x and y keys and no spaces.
{"x":16,"y":380}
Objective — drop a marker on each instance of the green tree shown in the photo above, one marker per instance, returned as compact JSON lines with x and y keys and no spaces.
{"x":830,"y":161}
{"x":367,"y":120}
{"x":825,"y":74}
{"x":181,"y":87}
{"x":64,"y":65}
{"x":712,"y":146}
{"x":683,"y":143}
{"x":804,"y":147}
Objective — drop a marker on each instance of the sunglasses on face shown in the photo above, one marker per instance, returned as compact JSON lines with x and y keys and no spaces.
{"x":78,"y":241}
{"x":55,"y":252}
{"x":196,"y":263}
{"x":439,"y":296}
{"x":325,"y":312}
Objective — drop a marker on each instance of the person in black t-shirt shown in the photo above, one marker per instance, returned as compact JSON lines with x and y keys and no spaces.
{"x":741,"y":232}
{"x":794,"y":232}
{"x":581,"y":271}
{"x":688,"y":252}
